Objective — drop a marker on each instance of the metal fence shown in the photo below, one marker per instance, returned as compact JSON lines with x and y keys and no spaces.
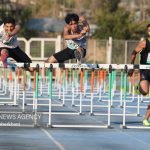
{"x":40,"y":48}
{"x":98,"y":51}
{"x":111,"y":51}
{"x":121,"y":51}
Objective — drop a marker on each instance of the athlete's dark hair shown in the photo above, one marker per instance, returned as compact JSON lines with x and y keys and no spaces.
{"x":9,"y":19}
{"x":71,"y":17}
{"x":148,"y":26}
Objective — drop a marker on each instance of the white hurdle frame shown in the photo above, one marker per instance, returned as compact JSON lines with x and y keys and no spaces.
{"x":83,"y":66}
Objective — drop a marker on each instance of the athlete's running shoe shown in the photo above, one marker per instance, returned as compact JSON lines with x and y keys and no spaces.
{"x":146,"y":123}
{"x":78,"y":55}
{"x":137,"y":90}
{"x":12,"y":65}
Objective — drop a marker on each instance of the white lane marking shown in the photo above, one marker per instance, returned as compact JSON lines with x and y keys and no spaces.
{"x":59,"y":145}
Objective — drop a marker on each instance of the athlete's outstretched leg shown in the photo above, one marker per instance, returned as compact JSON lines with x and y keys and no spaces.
{"x":79,"y":53}
{"x":144,"y":89}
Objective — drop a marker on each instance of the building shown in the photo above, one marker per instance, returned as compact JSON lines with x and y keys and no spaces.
{"x":9,"y":7}
{"x":140,"y":8}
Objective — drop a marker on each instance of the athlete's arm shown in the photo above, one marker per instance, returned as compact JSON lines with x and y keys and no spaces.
{"x":138,"y":49}
{"x":15,"y":31}
{"x":83,"y":21}
{"x":68,"y":36}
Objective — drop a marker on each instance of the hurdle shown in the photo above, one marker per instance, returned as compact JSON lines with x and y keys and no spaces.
{"x":124,"y":125}
{"x":123,"y":67}
{"x":79,"y":74}
{"x":8,"y":87}
{"x":113,"y":80}
{"x":74,"y":66}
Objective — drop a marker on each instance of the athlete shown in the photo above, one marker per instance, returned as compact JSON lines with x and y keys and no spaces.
{"x":9,"y":46}
{"x":144,"y":49}
{"x":14,"y":32}
{"x":75,"y":33}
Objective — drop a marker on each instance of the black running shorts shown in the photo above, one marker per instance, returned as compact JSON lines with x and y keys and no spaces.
{"x":145,"y":75}
{"x":18,"y":55}
{"x":66,"y":54}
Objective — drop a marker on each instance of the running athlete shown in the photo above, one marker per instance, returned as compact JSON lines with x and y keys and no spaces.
{"x":75,"y":32}
{"x":9,"y":46}
{"x":144,"y":49}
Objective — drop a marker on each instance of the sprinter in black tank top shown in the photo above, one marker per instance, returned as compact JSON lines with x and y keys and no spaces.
{"x":145,"y":53}
{"x":144,"y":49}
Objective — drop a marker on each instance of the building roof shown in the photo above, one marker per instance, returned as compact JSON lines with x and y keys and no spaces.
{"x":46,"y":24}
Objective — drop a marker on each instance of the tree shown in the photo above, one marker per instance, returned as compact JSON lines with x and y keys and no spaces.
{"x":23,"y":19}
{"x":21,"y":14}
{"x":112,"y":21}
{"x":109,"y":5}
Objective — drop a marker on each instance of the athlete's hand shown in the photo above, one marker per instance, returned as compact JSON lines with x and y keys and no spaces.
{"x":130,"y":72}
{"x":6,"y":37}
{"x":83,"y":32}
